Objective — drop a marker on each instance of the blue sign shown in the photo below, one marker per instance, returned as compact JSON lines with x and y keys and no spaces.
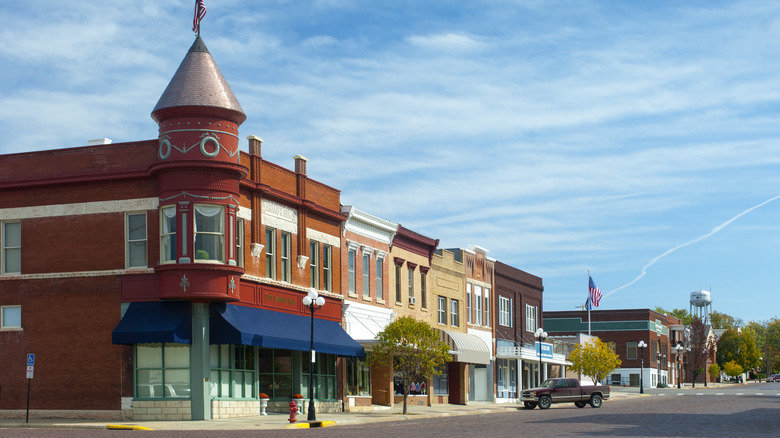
{"x":547,"y":350}
{"x":31,"y":360}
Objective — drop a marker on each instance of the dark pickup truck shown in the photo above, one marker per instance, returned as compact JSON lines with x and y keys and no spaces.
{"x":564,"y":391}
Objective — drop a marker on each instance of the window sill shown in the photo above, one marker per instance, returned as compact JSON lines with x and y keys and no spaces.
{"x":11,"y":329}
{"x":367,"y":299}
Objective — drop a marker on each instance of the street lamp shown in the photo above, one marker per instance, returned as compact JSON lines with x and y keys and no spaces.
{"x":658,"y":367}
{"x":313,"y":301}
{"x":641,"y":345}
{"x":540,"y":336}
{"x":679,"y":349}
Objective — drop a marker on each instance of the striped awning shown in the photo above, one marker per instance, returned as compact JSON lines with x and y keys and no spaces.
{"x":465,"y":347}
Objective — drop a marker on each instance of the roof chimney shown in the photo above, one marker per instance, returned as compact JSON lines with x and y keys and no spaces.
{"x":255,"y":144}
{"x":300,"y":164}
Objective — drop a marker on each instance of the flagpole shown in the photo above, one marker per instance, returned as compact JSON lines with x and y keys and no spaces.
{"x":589,"y":303}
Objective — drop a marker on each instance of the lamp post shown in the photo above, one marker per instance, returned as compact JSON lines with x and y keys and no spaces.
{"x":679,"y":349}
{"x":313,"y":301}
{"x":641,"y":345}
{"x":658,"y":368}
{"x":540,"y":336}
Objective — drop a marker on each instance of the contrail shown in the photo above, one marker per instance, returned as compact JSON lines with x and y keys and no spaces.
{"x":691,"y":242}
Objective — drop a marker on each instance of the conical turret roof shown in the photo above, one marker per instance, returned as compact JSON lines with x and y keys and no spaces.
{"x":199,"y":83}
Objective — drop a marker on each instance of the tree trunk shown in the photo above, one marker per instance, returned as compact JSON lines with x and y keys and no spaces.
{"x":406,"y":394}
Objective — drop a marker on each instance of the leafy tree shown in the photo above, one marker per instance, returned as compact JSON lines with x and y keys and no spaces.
{"x":681,"y":314}
{"x":414,"y":349}
{"x":738,"y":346}
{"x":594,"y":359}
{"x":714,"y":371}
{"x":732,"y":369}
{"x":723,"y":321}
{"x":768,"y":343}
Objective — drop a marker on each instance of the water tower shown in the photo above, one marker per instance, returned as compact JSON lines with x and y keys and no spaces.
{"x":701,"y":305}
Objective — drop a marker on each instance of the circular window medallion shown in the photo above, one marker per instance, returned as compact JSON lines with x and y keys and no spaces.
{"x":203,"y":143}
{"x":165,"y":149}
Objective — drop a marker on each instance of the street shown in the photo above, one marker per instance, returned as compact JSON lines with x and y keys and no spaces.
{"x":740,"y":410}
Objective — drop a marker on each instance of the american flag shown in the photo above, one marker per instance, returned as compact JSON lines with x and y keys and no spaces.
{"x":595,"y":293}
{"x":200,"y":12}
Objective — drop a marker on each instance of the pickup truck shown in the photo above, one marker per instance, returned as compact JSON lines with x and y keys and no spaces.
{"x":564,"y":391}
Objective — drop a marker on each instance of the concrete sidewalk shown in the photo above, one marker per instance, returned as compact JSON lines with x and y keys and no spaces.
{"x":280,"y":421}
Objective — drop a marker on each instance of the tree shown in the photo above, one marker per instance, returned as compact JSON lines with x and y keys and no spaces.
{"x":414,"y":349}
{"x":768,"y":343}
{"x":594,"y":359}
{"x":714,"y":371}
{"x":723,"y":321}
{"x":702,"y":348}
{"x":732,"y":369}
{"x":680,"y":314}
{"x":739,"y":346}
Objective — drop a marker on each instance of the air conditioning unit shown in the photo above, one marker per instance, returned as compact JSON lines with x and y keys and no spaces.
{"x":412,"y":300}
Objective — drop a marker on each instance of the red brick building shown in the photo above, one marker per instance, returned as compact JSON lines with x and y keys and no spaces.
{"x":163,"y":279}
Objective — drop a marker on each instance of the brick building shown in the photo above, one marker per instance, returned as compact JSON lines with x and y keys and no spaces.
{"x":623,"y":329}
{"x":163,"y":279}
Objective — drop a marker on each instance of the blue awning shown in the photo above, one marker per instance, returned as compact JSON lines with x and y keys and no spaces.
{"x":241,"y":325}
{"x":154,"y":322}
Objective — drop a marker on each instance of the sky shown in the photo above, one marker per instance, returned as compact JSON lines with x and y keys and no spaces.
{"x":636,"y":141}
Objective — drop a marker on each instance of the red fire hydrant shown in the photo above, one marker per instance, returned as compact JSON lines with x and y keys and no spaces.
{"x":293,"y":411}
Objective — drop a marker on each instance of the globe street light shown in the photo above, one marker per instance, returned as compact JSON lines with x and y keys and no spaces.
{"x":313,"y":301}
{"x":540,"y":336}
{"x":679,"y":349}
{"x":641,"y":345}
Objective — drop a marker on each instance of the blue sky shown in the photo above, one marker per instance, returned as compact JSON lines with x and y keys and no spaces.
{"x":631,"y":139}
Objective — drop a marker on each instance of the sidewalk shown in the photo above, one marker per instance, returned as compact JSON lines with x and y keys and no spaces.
{"x":280,"y":421}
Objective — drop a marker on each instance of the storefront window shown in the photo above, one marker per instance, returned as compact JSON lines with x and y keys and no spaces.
{"x":162,"y":371}
{"x":232,"y":371}
{"x":324,"y":376}
{"x":358,"y":377}
{"x":441,"y":384}
{"x":275,"y":367}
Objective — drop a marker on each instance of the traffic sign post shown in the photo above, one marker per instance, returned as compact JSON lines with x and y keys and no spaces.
{"x":30,"y":371}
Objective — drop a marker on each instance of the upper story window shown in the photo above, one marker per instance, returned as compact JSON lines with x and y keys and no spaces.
{"x":442,"y":310}
{"x":135,"y":240}
{"x":286,"y":254}
{"x":366,"y":275}
{"x":530,"y":318}
{"x":12,"y":248}
{"x":240,"y":242}
{"x":380,"y":293}
{"x":477,"y":305}
{"x":270,"y":253}
{"x":468,"y":303}
{"x":10,"y":317}
{"x":631,"y":350}
{"x":487,"y":306}
{"x":327,"y":272}
{"x":423,"y":288}
{"x":454,"y":318}
{"x":397,"y":283}
{"x":504,"y":312}
{"x":168,"y":234}
{"x":411,"y":285}
{"x":351,"y":254}
{"x":314,"y":264}
{"x":209,"y":233}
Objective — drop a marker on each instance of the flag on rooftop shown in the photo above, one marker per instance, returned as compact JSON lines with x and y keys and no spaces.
{"x":200,"y":12}
{"x":594,"y":292}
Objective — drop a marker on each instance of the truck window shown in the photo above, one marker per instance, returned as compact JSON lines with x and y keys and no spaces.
{"x":573,"y":383}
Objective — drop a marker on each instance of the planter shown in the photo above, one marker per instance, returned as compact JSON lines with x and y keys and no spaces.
{"x":263,"y":406}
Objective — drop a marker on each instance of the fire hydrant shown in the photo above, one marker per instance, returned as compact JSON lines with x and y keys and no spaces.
{"x":293,"y":411}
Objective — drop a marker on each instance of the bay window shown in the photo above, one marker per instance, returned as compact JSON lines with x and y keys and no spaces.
{"x":168,"y":234}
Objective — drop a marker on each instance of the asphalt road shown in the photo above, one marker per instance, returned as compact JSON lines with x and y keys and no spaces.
{"x":718,"y":412}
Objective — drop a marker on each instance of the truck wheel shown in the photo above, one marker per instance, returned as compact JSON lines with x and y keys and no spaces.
{"x":580,"y":404}
{"x":529,"y":405}
{"x":595,"y":401}
{"x":544,"y":402}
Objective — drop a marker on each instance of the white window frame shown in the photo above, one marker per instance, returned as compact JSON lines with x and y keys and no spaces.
{"x":4,"y":325}
{"x":168,"y":237}
{"x":218,"y":234}
{"x":366,"y":275}
{"x":469,"y":300}
{"x":327,"y":272}
{"x":314,"y":264}
{"x":530,"y":318}
{"x":454,"y":317}
{"x":9,"y":251}
{"x":487,"y":307}
{"x":503,"y":311}
{"x":270,"y":253}
{"x":477,"y":304}
{"x":351,"y":262}
{"x":130,"y":242}
{"x":442,"y":312}
{"x":380,"y":291}
{"x":240,"y":242}
{"x":286,"y":256}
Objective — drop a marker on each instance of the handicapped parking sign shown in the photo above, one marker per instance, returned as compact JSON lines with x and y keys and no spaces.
{"x":30,"y":365}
